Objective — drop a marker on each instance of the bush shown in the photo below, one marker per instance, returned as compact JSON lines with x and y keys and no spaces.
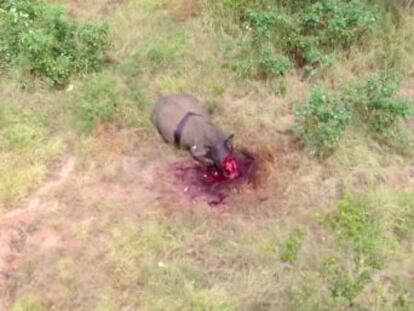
{"x":338,"y":23}
{"x":373,"y":102}
{"x":304,"y":31}
{"x":370,"y":102}
{"x":321,"y":122}
{"x":43,"y":41}
{"x":272,"y":64}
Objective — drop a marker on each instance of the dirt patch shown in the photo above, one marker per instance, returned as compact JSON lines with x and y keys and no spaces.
{"x":184,"y":10}
{"x":17,"y":239}
{"x":25,"y":215}
{"x":265,"y":187}
{"x":108,"y":6}
{"x":46,"y":238}
{"x":91,"y":10}
{"x":12,"y":242}
{"x":139,"y":180}
{"x":75,"y":7}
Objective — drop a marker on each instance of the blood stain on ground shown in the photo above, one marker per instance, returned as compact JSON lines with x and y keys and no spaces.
{"x":211,"y":184}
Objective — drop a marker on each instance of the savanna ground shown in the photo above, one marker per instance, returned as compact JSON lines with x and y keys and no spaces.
{"x":91,"y":220}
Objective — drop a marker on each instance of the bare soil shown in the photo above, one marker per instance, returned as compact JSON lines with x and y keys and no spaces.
{"x":50,"y":218}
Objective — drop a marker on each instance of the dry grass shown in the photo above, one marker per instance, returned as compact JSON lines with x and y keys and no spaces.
{"x":129,"y":241}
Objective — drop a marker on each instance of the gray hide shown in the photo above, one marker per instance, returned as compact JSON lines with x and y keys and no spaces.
{"x":205,"y":141}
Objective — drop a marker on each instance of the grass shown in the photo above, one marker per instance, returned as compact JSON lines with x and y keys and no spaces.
{"x":290,"y":248}
{"x":26,"y":147}
{"x":28,"y":303}
{"x":105,"y":99}
{"x":331,"y":234}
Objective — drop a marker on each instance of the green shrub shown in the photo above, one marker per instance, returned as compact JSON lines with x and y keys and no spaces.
{"x":306,"y":32}
{"x":370,"y":102}
{"x":272,"y":64}
{"x":43,"y":41}
{"x":373,"y":101}
{"x":321,"y":122}
{"x":336,"y":23}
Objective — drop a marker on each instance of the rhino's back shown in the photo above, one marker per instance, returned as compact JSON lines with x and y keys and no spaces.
{"x":170,"y":110}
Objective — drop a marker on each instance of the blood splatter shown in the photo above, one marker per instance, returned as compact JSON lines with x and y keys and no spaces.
{"x":230,"y":167}
{"x":212,"y":184}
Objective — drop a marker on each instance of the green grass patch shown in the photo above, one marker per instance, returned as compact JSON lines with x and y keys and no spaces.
{"x":103,"y":98}
{"x":25,"y":148}
{"x":368,"y":231}
{"x":153,"y":257}
{"x":29,"y":303}
{"x":157,"y":49}
{"x":361,"y":225}
{"x":289,"y":250}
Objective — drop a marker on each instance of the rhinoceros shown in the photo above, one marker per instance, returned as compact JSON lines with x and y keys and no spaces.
{"x":181,"y":120}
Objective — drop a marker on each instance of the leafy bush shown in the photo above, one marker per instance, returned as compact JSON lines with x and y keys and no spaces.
{"x":338,"y":23}
{"x":373,"y":101}
{"x":272,"y":64}
{"x":370,"y":102}
{"x":262,"y":62}
{"x":321,"y":122}
{"x":304,"y":31}
{"x":43,"y":41}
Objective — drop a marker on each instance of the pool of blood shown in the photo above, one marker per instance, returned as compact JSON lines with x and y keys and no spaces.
{"x":209,"y":183}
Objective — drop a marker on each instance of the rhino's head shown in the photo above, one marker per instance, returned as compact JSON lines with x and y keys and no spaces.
{"x":221,"y":153}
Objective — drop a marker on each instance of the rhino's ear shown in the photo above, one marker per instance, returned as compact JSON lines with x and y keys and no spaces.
{"x":229,"y":142}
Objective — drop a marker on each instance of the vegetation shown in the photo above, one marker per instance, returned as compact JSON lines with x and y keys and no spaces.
{"x":289,"y":250}
{"x":322,"y":121}
{"x":371,"y":101}
{"x":305,"y":32}
{"x":365,"y":228}
{"x":329,"y":230}
{"x":25,"y":145}
{"x":41,"y":40}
